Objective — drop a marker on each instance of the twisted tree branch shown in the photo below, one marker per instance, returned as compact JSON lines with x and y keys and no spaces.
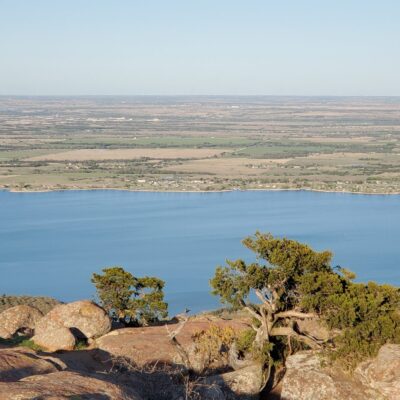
{"x":294,"y":314}
{"x":287,"y":331}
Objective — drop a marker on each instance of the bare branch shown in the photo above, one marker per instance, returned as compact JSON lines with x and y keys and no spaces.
{"x":294,"y":314}
{"x":274,"y":297}
{"x":255,"y":328}
{"x":179,"y":348}
{"x":174,"y":333}
{"x":266,"y":302}
{"x":287,"y":331}
{"x":254,"y":313}
{"x":251,"y":310}
{"x":261,"y":296}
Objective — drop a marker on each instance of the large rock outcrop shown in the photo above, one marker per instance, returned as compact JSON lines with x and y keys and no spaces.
{"x":16,"y":318}
{"x":382,"y":373}
{"x":19,"y":363}
{"x":152,"y":344}
{"x":307,"y":379}
{"x":242,"y":384}
{"x":58,"y":329}
{"x":65,"y":385}
{"x":51,"y":336}
{"x":26,"y":374}
{"x":86,"y":317}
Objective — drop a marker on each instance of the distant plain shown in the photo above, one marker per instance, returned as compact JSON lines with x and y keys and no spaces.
{"x":200,"y":143}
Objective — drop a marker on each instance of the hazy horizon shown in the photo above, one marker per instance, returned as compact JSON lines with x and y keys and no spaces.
{"x":177,"y":48}
{"x":205,"y":95}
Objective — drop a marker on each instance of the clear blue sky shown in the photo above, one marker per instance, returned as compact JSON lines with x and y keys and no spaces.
{"x":273,"y":47}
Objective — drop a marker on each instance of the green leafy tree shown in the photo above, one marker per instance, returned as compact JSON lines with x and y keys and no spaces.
{"x":292,"y":282}
{"x":137,"y":300}
{"x":115,"y":288}
{"x":276,"y":282}
{"x":148,"y":304}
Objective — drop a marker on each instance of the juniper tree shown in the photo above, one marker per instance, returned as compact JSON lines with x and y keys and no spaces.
{"x":131,"y":299}
{"x":292,"y":283}
{"x":276,"y":279}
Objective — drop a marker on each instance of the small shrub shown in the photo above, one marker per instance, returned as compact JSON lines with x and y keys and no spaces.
{"x":245,"y":340}
{"x":30,"y":344}
{"x":81,"y":345}
{"x":213,"y":344}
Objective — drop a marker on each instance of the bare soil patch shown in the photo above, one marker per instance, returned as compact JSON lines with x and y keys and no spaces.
{"x":127,"y":154}
{"x":228,"y":166}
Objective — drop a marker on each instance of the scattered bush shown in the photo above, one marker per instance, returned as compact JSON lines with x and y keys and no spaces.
{"x":129,"y":299}
{"x":213,"y":345}
{"x":81,"y":344}
{"x":245,"y":340}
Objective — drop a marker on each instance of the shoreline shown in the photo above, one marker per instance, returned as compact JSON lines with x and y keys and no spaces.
{"x":204,"y":191}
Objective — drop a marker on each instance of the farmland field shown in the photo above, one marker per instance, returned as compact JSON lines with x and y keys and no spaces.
{"x":200,"y":143}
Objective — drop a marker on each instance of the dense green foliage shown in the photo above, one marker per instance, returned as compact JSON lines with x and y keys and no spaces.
{"x":367,"y":316}
{"x":244,"y":342}
{"x":295,"y":283}
{"x":131,"y":299}
{"x":287,"y":262}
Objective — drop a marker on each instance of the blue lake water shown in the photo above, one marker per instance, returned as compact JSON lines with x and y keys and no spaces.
{"x":51,"y":243}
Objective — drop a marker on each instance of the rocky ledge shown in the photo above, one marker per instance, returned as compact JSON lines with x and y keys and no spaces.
{"x":145,"y":364}
{"x":307,"y":378}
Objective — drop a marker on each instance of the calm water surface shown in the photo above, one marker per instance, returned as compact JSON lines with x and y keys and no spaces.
{"x":51,"y":243}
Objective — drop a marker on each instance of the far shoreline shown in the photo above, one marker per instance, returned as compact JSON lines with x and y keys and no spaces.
{"x":202,"y":191}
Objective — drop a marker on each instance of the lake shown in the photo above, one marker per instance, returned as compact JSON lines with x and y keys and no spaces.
{"x":51,"y":243}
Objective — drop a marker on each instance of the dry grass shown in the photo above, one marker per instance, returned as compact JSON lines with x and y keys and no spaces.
{"x":325,"y":139}
{"x":336,"y":159}
{"x":127,"y":154}
{"x":228,"y":166}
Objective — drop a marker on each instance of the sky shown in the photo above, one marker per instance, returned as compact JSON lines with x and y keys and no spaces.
{"x":205,"y":47}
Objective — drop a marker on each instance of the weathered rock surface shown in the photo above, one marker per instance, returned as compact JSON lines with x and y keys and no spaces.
{"x":213,"y":392}
{"x":4,"y":334}
{"x":59,"y":329}
{"x":86,"y":318}
{"x":383,"y":372}
{"x":16,"y":318}
{"x":378,"y":378}
{"x":65,"y":385}
{"x":307,"y":379}
{"x":152,"y":344}
{"x":19,"y":363}
{"x":244,"y":383}
{"x":54,"y":338}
